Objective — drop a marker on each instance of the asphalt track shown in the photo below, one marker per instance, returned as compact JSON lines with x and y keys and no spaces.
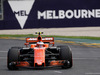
{"x":86,"y":61}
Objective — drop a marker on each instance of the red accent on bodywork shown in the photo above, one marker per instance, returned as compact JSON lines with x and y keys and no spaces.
{"x":23,"y":64}
{"x":39,"y":56}
{"x":33,"y":45}
{"x":26,"y":44}
{"x":46,"y":45}
{"x":56,"y":62}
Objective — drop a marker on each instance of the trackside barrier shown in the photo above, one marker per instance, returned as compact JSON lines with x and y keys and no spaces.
{"x":24,"y":14}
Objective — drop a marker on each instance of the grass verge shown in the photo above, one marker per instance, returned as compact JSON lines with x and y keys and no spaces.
{"x":73,"y":37}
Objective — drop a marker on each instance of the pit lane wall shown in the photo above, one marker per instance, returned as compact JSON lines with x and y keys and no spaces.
{"x":22,"y":14}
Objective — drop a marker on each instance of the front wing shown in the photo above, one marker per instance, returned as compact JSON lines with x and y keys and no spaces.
{"x":26,"y":64}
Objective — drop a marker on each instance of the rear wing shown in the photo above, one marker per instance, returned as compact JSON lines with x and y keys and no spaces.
{"x":44,"y":39}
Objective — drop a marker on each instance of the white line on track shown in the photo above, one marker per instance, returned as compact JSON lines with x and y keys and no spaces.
{"x":58,"y":71}
{"x":85,"y":58}
{"x":3,"y":57}
{"x":92,"y":73}
{"x":3,"y":51}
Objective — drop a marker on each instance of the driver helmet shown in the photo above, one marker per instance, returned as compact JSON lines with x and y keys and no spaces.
{"x":40,"y":44}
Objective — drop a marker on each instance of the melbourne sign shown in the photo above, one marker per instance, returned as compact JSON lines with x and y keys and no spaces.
{"x":69,"y":14}
{"x":23,"y":14}
{"x":21,"y":9}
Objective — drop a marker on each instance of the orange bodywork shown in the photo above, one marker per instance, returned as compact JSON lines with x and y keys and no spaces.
{"x":39,"y":52}
{"x":39,"y":56}
{"x":33,"y":45}
{"x":34,"y":40}
{"x":23,"y":64}
{"x":56,"y":62}
{"x":40,"y":61}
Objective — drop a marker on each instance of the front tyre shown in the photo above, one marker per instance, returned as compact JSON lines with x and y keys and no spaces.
{"x":13,"y":56}
{"x":66,"y":54}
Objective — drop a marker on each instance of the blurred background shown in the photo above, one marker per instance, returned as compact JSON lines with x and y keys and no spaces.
{"x":24,"y":14}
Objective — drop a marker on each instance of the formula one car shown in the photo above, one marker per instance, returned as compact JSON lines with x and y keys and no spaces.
{"x":39,"y":52}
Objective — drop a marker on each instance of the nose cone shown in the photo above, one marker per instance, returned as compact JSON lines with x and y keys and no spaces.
{"x":39,"y":56}
{"x":39,"y":63}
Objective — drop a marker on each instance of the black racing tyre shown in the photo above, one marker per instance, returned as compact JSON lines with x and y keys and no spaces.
{"x":66,"y":54}
{"x":13,"y":56}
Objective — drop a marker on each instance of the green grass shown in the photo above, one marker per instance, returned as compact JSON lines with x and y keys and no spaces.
{"x":74,"y":37}
{"x":28,"y":35}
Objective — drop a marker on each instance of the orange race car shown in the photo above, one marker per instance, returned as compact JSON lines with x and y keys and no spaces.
{"x":39,"y":52}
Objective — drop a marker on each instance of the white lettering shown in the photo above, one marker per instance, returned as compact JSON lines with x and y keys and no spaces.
{"x":69,"y":14}
{"x":54,"y":15}
{"x":61,"y":14}
{"x":49,"y":14}
{"x":91,"y":14}
{"x":98,"y":13}
{"x":84,"y":14}
{"x":41,"y":15}
{"x":77,"y":14}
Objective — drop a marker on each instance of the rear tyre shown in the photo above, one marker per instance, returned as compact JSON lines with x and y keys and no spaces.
{"x":13,"y":56}
{"x":66,"y":54}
